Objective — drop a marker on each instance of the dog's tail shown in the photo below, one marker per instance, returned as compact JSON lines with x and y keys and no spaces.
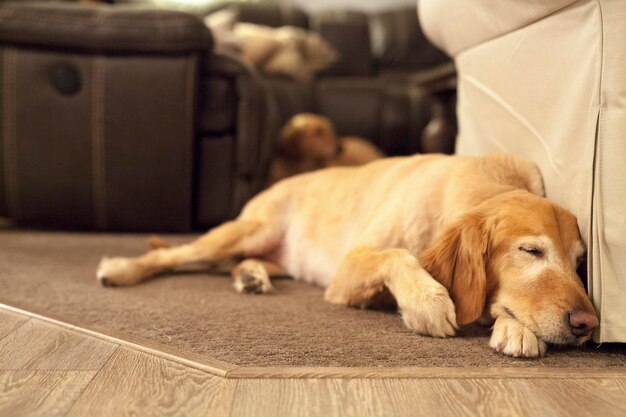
{"x":155,"y":242}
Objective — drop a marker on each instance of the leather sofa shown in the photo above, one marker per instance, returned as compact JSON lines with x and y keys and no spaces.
{"x":546,"y":80}
{"x":106,"y":124}
{"x":123,"y":118}
{"x":372,"y":91}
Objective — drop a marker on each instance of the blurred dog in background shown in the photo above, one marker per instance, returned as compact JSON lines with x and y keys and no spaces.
{"x":287,"y":50}
{"x":309,"y":142}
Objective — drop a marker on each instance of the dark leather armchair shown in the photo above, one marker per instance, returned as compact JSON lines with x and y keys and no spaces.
{"x":123,"y":118}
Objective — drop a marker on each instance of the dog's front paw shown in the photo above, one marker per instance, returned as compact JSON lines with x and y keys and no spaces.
{"x":114,"y":272}
{"x":251,"y":277}
{"x":432,"y":313}
{"x":514,"y":339}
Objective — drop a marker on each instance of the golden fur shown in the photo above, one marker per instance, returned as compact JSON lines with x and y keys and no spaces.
{"x":448,"y":239}
{"x":285,"y":50}
{"x":308,"y":142}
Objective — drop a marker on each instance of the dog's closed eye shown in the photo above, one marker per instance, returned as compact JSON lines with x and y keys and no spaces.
{"x":534,"y":251}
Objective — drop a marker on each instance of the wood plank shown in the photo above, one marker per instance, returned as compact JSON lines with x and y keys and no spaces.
{"x":508,"y":397}
{"x":37,"y":345}
{"x":431,"y":373}
{"x":9,"y":321}
{"x":40,"y":393}
{"x":463,"y":397}
{"x":134,"y":383}
{"x":311,"y":397}
{"x":581,"y":397}
{"x":204,"y":363}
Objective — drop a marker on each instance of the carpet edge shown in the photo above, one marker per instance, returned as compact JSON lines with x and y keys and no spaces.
{"x":230,"y":371}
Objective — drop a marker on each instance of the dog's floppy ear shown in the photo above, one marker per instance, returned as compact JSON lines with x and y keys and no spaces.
{"x":457,"y":259}
{"x":288,"y":143}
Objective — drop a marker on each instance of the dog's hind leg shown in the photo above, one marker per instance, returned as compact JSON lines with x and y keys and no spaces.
{"x":239,"y":238}
{"x":367,"y":277}
{"x":155,"y":242}
{"x":252,"y":276}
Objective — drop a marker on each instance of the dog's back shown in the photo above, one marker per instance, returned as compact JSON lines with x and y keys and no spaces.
{"x":392,"y":202}
{"x":356,"y":151}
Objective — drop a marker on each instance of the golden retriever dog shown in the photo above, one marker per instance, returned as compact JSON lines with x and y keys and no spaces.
{"x":308,"y":142}
{"x":449,"y":239}
{"x":286,"y":50}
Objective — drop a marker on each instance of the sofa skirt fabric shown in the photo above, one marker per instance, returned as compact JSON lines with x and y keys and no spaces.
{"x":551,"y":87}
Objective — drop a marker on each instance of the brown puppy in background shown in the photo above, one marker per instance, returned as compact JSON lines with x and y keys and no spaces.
{"x":308,"y":142}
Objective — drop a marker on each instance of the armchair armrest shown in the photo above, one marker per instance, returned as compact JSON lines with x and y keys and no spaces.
{"x":102,"y":28}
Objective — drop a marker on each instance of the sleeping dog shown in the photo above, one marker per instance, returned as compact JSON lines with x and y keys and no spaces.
{"x":309,"y":142}
{"x":450,"y":240}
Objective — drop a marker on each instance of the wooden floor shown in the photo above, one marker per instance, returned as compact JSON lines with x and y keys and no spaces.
{"x":49,"y":370}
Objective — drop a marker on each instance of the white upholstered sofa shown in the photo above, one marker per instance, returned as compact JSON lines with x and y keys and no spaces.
{"x":546,"y":79}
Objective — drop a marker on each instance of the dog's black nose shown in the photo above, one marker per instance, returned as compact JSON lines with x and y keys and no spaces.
{"x":582,"y":322}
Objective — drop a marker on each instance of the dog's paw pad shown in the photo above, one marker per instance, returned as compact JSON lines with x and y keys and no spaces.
{"x":252,"y":278}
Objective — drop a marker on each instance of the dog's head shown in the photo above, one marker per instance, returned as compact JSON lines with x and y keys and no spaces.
{"x":308,"y":136}
{"x":516,"y":255}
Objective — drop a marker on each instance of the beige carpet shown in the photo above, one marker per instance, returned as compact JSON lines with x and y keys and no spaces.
{"x":55,"y":273}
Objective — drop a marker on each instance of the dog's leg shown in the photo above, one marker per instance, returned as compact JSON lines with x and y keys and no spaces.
{"x":236,"y":238}
{"x":155,"y":242}
{"x":365,"y":274}
{"x":253,"y":276}
{"x":512,"y":338}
